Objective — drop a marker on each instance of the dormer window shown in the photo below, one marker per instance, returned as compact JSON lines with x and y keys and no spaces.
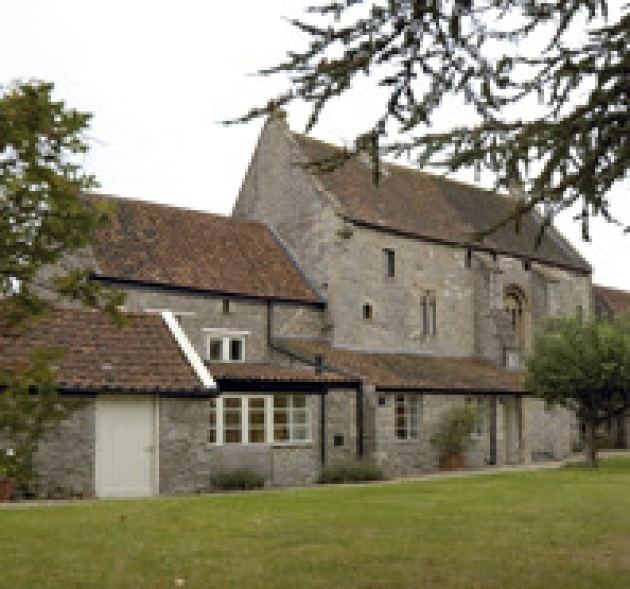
{"x":225,"y":346}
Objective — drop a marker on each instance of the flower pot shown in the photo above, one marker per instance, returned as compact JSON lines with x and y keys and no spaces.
{"x":6,"y":489}
{"x":452,"y":461}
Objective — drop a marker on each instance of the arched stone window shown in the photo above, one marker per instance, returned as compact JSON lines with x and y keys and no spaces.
{"x":514,"y":304}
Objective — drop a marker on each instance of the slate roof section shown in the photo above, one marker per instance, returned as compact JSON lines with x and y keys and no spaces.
{"x":411,"y":371}
{"x":100,"y":356}
{"x":165,"y":245}
{"x":273,"y":373}
{"x":610,"y":302}
{"x":429,"y":206}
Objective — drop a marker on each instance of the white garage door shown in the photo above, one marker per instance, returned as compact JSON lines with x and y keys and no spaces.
{"x":126,"y":455}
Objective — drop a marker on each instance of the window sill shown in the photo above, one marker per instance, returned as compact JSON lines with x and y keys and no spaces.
{"x":306,"y":444}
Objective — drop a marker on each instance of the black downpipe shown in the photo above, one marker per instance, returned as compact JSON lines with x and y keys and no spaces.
{"x":359,"y":401}
{"x":322,"y":428}
{"x":493,"y":431}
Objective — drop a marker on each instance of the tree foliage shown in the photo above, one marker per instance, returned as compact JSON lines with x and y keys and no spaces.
{"x":496,"y":55}
{"x":30,"y":406}
{"x":584,"y":367}
{"x":42,"y":217}
{"x":43,"y":221}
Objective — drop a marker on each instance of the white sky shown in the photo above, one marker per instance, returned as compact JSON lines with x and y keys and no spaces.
{"x":159,"y":75}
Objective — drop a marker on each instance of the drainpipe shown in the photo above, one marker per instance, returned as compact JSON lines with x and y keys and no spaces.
{"x":322,"y":427}
{"x":493,"y":430}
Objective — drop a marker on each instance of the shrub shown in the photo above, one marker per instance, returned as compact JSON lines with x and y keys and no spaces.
{"x":351,"y":472}
{"x":453,"y":434}
{"x":242,"y":479}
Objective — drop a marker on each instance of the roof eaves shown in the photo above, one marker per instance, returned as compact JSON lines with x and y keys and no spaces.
{"x":422,"y":237}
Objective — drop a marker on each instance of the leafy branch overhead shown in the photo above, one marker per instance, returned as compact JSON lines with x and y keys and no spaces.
{"x":567,"y":62}
{"x":42,"y":217}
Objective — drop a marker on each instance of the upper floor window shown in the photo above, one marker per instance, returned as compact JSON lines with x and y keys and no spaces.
{"x":225,"y":346}
{"x":514,"y":301}
{"x":389,"y":260}
{"x":225,"y":306}
{"x":407,"y":416}
{"x":428,"y":314}
{"x":367,"y":311}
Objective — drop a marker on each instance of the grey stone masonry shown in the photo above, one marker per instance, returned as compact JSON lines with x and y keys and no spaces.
{"x":64,"y":461}
{"x":199,"y":312}
{"x":188,"y":460}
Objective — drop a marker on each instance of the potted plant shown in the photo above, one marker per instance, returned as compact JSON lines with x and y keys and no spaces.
{"x":453,"y":436}
{"x":7,"y":478}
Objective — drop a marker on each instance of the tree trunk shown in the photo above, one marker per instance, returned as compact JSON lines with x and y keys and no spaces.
{"x":590,"y":444}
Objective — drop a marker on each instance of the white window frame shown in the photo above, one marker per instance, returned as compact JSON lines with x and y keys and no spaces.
{"x":412,"y":427}
{"x":269,"y":421}
{"x":226,"y":336}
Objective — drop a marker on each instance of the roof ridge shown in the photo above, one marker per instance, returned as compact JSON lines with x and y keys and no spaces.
{"x":159,"y":205}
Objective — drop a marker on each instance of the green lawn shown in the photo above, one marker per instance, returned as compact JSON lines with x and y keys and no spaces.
{"x":553,"y":529}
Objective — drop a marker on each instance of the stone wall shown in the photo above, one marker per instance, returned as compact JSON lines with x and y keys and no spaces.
{"x":522,"y":432}
{"x":64,"y":461}
{"x":407,"y":457}
{"x":280,"y":193}
{"x":357,"y":277}
{"x":188,"y":461}
{"x":341,"y":426}
{"x":205,"y":311}
{"x":547,"y":430}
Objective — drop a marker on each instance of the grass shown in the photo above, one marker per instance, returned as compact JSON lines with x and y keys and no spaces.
{"x":567,"y":528}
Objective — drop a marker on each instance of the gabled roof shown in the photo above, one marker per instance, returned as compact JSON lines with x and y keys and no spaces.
{"x":428,"y":206}
{"x":410,"y":371}
{"x":610,"y":301}
{"x":165,"y":245}
{"x":100,"y":356}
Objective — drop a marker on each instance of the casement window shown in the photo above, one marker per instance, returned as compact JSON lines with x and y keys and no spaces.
{"x":259,"y":419}
{"x":290,"y":418}
{"x":428,"y":314}
{"x":225,"y":346}
{"x":389,"y":261}
{"x":407,"y":416}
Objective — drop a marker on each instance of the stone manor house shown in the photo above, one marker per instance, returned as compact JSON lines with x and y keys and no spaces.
{"x":328,"y":319}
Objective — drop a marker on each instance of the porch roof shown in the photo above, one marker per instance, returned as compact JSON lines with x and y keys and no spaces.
{"x":410,"y":371}
{"x":100,"y":356}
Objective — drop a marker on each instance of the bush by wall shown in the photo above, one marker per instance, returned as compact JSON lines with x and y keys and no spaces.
{"x":237,"y":480}
{"x":351,"y":472}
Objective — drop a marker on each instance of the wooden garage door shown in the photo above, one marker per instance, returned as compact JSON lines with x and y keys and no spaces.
{"x":126,"y":455}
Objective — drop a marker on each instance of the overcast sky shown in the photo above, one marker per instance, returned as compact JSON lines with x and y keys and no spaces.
{"x":160,"y":75}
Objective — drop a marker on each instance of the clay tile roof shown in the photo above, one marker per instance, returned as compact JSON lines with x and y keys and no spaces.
{"x":610,"y":301}
{"x":101,"y":356}
{"x":433,"y":207}
{"x":167,"y":245}
{"x":411,"y":371}
{"x":272,"y":373}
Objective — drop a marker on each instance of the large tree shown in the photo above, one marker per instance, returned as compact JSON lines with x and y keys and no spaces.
{"x":483,"y":64}
{"x":586,"y":368}
{"x":44,"y":223}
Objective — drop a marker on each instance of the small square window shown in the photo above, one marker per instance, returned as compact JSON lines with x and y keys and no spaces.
{"x":389,"y":257}
{"x":338,"y":440}
{"x":382,"y":401}
{"x":216,"y":350}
